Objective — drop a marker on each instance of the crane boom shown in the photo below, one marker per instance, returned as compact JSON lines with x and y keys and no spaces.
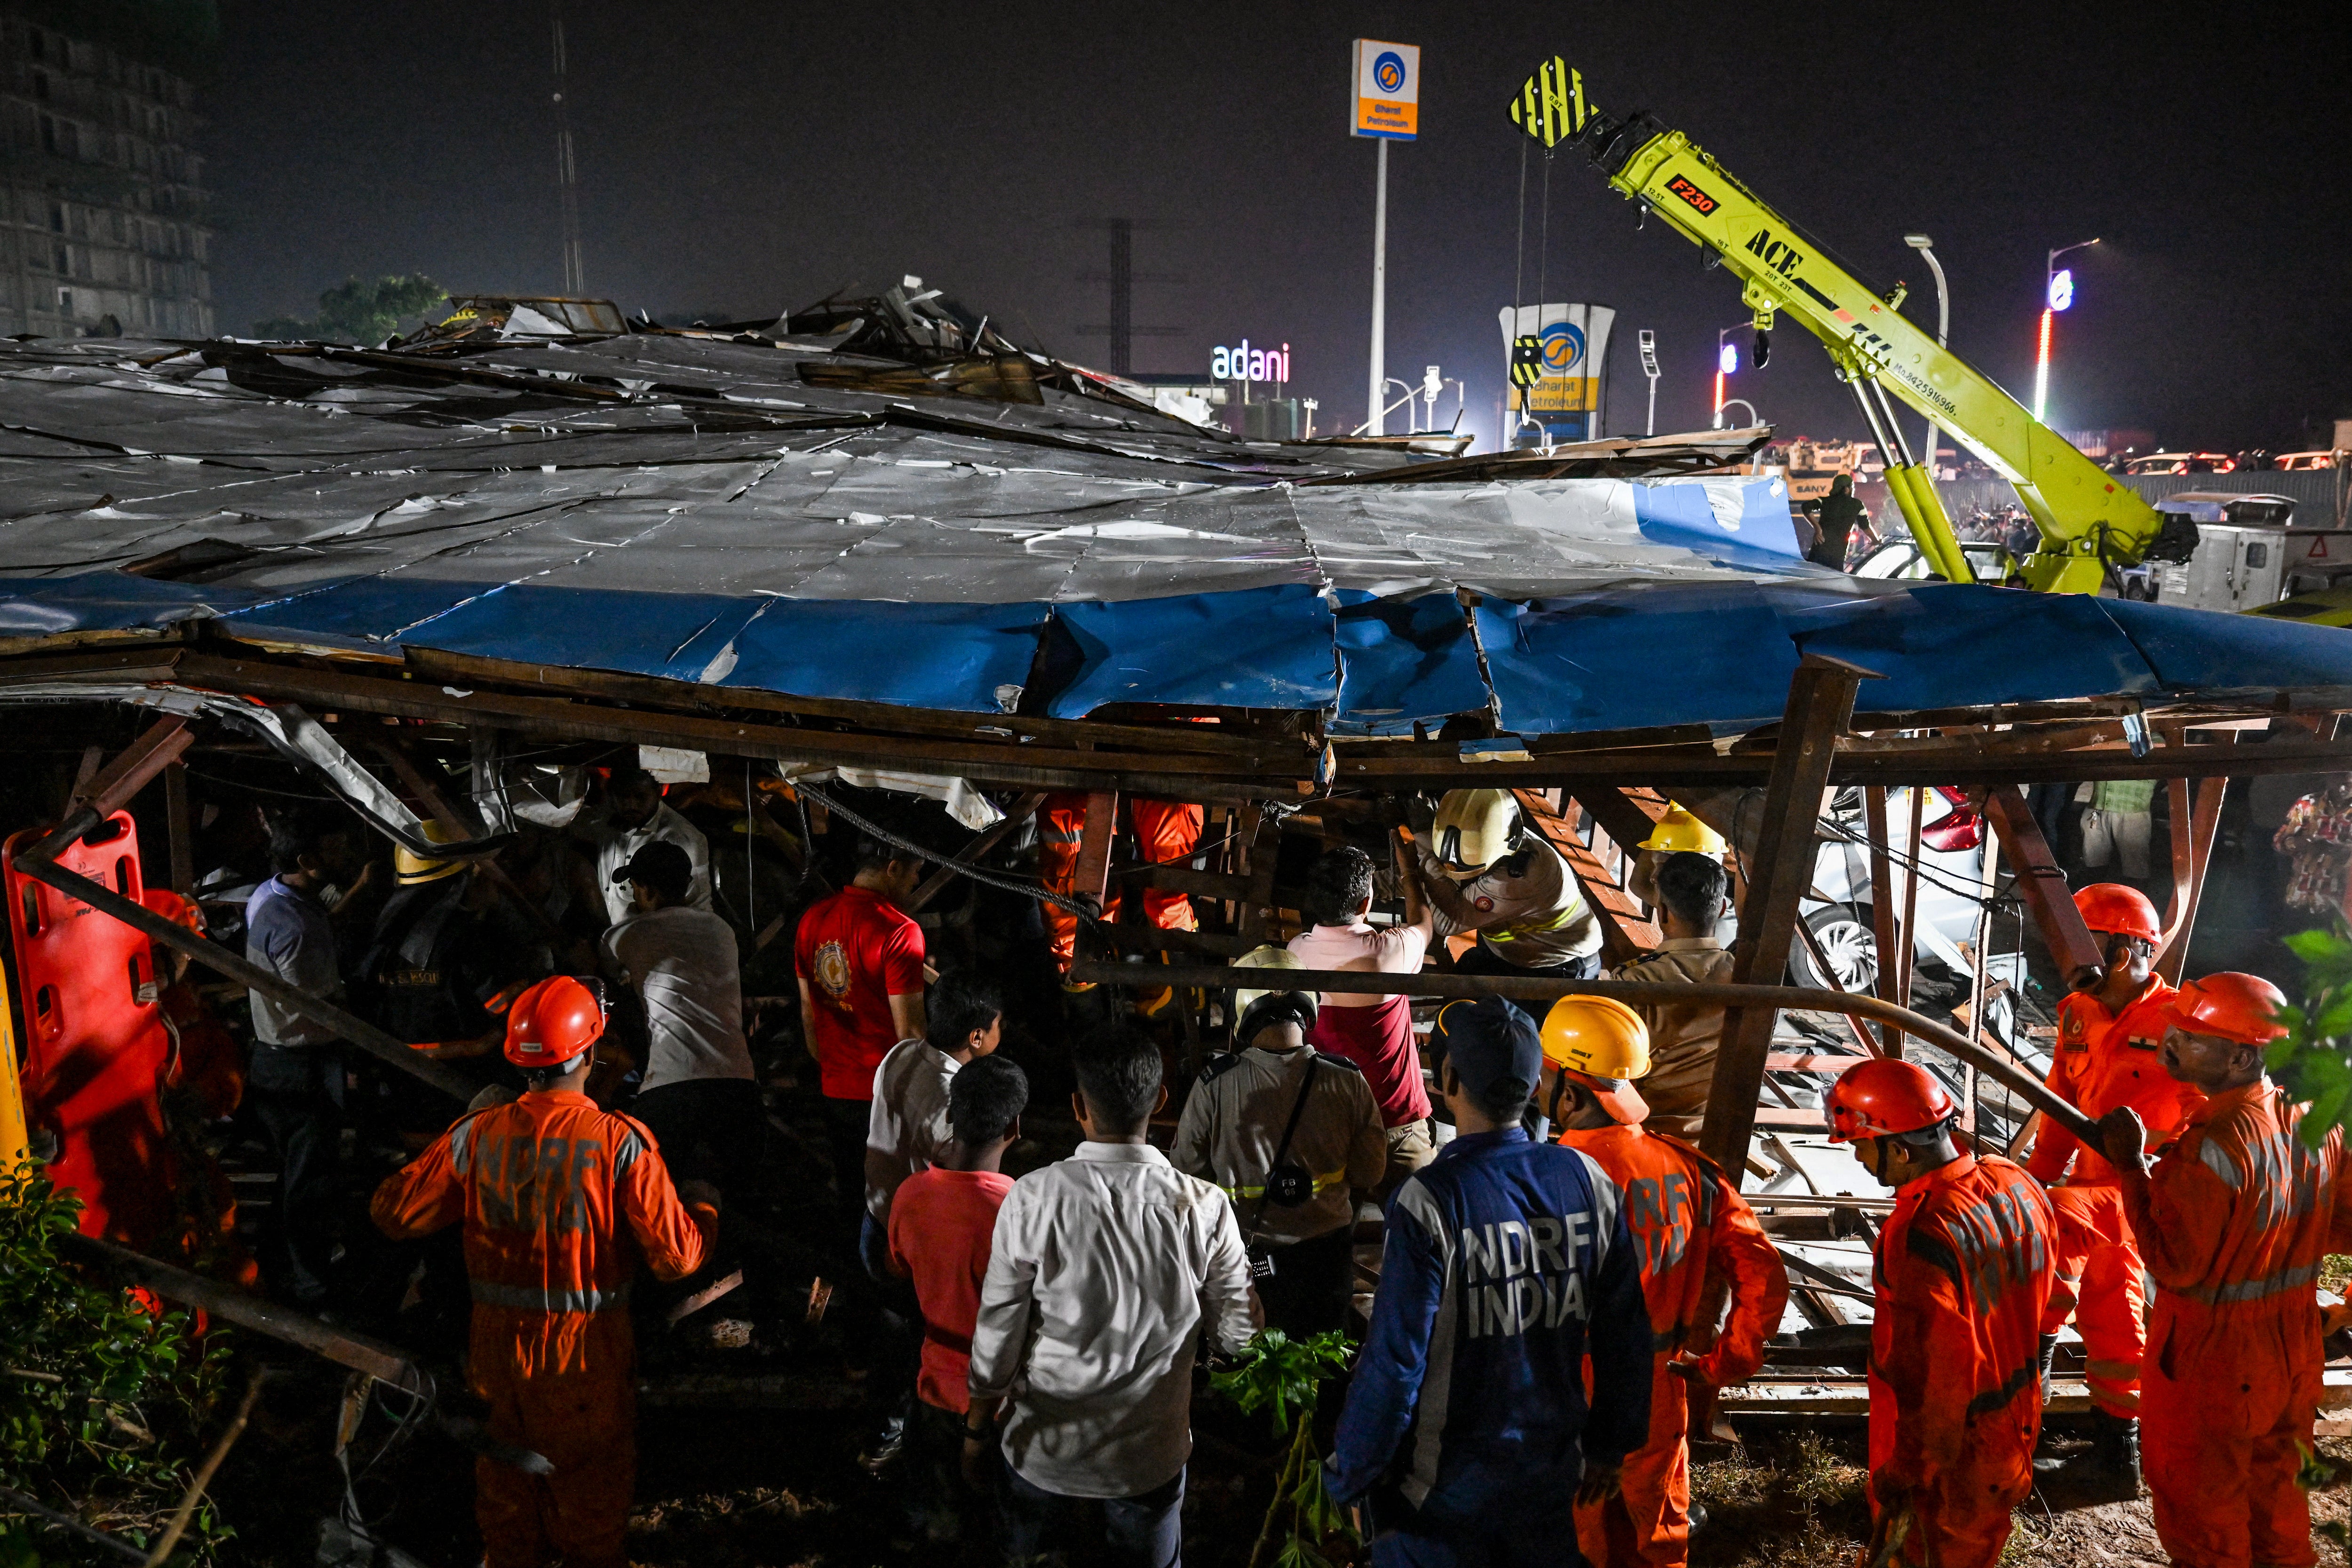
{"x":2088,"y":522}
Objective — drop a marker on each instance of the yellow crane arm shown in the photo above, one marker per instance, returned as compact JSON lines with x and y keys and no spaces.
{"x":2088,"y":520}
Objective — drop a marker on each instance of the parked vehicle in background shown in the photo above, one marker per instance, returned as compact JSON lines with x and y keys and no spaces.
{"x":2305,"y":462}
{"x":2249,"y":554}
{"x":2182,"y":463}
{"x":1838,"y":908}
{"x":1901,"y":560}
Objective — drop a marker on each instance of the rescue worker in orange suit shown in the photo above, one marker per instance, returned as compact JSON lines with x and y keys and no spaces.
{"x":1164,"y":832}
{"x":561,"y":1202}
{"x":2232,"y":1222}
{"x":1963,"y":1270}
{"x":1699,"y":1248}
{"x":2108,"y":1032}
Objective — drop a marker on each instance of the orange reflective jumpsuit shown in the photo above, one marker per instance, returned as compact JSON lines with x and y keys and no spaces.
{"x":2106,"y":1061}
{"x":2233,"y":1222}
{"x":1163,"y":831}
{"x":1699,"y":1242}
{"x":1963,"y":1272}
{"x":561,"y":1202}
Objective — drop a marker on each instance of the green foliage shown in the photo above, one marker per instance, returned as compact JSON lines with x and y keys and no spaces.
{"x":354,"y":312}
{"x":1281,"y":1373}
{"x":1286,"y":1375}
{"x":2314,"y":1059}
{"x":100,"y":1403}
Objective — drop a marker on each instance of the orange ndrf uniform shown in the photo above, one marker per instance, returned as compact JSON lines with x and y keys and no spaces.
{"x":561,"y":1202}
{"x":1963,"y":1272}
{"x":1164,"y":830}
{"x":2233,"y":1221}
{"x":1697,"y":1241}
{"x":2106,"y":1062}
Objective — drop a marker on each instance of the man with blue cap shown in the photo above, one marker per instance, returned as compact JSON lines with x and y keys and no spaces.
{"x":1467,"y":1429}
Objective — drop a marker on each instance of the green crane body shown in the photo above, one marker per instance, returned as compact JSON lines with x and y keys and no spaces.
{"x":2089,"y":523}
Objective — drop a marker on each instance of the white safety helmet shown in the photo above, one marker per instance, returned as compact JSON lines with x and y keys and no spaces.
{"x":1251,"y":1007}
{"x":1474,"y":827}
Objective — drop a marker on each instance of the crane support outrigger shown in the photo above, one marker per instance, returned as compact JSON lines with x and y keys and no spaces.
{"x":2089,"y":523}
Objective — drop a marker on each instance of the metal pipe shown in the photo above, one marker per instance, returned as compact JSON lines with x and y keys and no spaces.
{"x":213,"y":956}
{"x":1529,"y":988}
{"x":378,"y":1360}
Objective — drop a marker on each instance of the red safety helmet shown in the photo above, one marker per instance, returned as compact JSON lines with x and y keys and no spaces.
{"x":1878,"y":1098}
{"x":2230,"y":1006}
{"x":553,"y":1022}
{"x":175,"y":907}
{"x":2111,"y":907}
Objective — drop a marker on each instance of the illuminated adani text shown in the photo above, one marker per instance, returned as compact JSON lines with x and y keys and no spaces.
{"x":1248,"y":364}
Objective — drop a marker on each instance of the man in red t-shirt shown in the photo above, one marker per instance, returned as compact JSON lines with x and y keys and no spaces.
{"x":860,"y":963}
{"x":942,"y":1220}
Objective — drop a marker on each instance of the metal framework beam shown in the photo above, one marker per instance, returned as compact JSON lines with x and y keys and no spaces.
{"x":1820,"y":704}
{"x":1532,"y":989}
{"x":2040,"y":883}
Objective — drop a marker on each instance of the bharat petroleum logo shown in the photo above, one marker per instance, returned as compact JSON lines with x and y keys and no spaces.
{"x":1388,"y":72}
{"x":1563,"y":349}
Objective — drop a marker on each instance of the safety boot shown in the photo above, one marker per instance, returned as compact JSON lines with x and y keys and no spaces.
{"x":2108,"y":1469}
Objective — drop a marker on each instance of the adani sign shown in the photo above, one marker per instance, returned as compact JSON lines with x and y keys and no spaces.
{"x":1248,"y":364}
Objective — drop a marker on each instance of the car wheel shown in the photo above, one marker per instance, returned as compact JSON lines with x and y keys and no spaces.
{"x":1846,"y":941}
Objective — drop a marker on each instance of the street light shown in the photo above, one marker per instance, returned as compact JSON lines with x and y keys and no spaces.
{"x":1726,"y":363}
{"x":2057,"y":294}
{"x":1649,"y":342}
{"x":1925,"y":247}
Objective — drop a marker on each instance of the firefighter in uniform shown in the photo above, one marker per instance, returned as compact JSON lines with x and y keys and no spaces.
{"x":2233,"y":1220}
{"x":1698,"y":1244}
{"x":1963,"y":1272}
{"x":1165,"y":833}
{"x":561,"y":1202}
{"x":2108,"y":1032}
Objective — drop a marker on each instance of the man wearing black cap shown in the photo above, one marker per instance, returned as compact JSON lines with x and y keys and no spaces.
{"x":1289,"y":1133}
{"x":1467,"y":1428}
{"x":699,"y":1087}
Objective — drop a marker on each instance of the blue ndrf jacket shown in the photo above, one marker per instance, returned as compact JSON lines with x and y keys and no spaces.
{"x":1505,"y":1261}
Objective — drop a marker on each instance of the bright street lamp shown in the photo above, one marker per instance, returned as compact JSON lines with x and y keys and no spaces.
{"x":2057,"y":294}
{"x":1726,"y":363}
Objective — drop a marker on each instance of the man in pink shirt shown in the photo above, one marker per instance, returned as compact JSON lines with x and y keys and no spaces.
{"x":1374,"y":1032}
{"x":942,"y":1222}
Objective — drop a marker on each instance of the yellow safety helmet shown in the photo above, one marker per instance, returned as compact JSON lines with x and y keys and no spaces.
{"x":1474,"y":829}
{"x":1604,"y":1045}
{"x":413,"y":870}
{"x":1679,"y":829}
{"x":1252,"y":1007}
{"x":1266,"y":957}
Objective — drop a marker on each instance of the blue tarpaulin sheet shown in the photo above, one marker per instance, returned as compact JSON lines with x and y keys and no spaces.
{"x":1631,"y":656}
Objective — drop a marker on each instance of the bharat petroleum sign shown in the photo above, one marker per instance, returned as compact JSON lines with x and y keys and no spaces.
{"x":1248,"y":364}
{"x":1388,"y":91}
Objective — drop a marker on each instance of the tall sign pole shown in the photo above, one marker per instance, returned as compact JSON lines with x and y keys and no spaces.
{"x":1386,"y":107}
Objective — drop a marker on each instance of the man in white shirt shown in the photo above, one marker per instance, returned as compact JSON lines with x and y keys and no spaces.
{"x":698,"y":1088}
{"x":633,"y":817}
{"x":1101,"y":1274}
{"x":908,"y":1123}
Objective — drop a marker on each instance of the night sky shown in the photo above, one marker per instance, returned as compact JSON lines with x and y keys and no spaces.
{"x":738,"y":159}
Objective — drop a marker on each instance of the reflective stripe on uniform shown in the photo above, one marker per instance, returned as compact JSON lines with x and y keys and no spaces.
{"x":525,"y":1298}
{"x":461,"y":1144}
{"x":2253,"y":1290}
{"x":1323,"y":1183}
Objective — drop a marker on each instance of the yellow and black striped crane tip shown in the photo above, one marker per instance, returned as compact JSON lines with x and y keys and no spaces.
{"x":1550,"y":105}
